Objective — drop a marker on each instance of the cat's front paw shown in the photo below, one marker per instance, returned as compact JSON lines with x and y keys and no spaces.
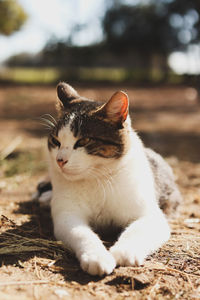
{"x":125,"y":255}
{"x":98,"y":263}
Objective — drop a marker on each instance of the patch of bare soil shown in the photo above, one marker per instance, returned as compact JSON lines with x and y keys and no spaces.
{"x":34,"y":265}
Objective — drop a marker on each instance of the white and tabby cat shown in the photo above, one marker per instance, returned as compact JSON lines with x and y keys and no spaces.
{"x":103,"y":176}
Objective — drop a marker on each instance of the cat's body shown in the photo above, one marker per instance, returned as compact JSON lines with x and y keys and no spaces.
{"x":103,"y":176}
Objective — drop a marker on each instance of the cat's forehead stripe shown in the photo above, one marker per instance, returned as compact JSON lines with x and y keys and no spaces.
{"x":66,"y":136}
{"x":71,"y":118}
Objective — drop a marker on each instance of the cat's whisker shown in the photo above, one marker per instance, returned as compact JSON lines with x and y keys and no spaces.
{"x":48,"y":122}
{"x":93,"y":175}
{"x":106,"y":172}
{"x":51,"y":117}
{"x":45,"y":122}
{"x":110,"y":184}
{"x":99,"y":182}
{"x":109,"y":179}
{"x":106,"y":178}
{"x":93,"y":172}
{"x":45,"y":126}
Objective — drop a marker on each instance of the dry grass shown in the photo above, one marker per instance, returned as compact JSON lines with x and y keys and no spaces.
{"x":28,"y":245}
{"x":35,"y":266}
{"x":15,"y":244}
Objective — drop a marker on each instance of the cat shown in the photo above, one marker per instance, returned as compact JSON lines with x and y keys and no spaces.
{"x":103,"y":176}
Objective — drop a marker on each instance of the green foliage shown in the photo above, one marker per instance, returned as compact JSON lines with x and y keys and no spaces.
{"x":23,"y":163}
{"x":12,"y":16}
{"x":30,"y":75}
{"x":83,"y":74}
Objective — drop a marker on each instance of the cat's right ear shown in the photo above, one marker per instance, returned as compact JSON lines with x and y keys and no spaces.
{"x":116,"y":109}
{"x":66,"y":93}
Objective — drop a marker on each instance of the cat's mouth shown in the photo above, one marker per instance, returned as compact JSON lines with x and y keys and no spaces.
{"x":73,"y":173}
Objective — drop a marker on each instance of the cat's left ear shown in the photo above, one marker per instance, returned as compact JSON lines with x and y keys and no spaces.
{"x":116,"y":109}
{"x":66,"y":93}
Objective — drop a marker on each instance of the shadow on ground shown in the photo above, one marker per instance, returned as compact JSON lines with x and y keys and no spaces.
{"x":38,"y":235}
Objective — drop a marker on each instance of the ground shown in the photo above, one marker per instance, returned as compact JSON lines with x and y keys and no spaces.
{"x":33,"y":264}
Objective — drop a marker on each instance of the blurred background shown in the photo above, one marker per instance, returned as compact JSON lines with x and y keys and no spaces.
{"x":147,"y":41}
{"x":148,"y":48}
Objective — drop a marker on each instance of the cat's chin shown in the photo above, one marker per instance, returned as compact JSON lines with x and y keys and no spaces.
{"x":73,"y":175}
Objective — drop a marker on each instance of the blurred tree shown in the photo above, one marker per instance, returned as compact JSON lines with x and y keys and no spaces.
{"x":154,"y":27}
{"x":138,"y":35}
{"x":138,"y":28}
{"x":12,"y":16}
{"x":184,"y":18}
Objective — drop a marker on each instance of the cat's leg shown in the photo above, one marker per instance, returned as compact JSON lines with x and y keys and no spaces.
{"x":44,"y":193}
{"x":45,"y":198}
{"x":76,"y":234}
{"x":140,"y":239}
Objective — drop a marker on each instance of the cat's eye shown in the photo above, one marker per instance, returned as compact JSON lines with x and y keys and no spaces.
{"x":82,"y":142}
{"x":55,"y":141}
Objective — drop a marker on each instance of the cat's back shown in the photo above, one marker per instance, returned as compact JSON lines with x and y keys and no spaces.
{"x":167,"y":191}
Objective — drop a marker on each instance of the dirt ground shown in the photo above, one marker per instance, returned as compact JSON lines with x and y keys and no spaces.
{"x":33,"y":264}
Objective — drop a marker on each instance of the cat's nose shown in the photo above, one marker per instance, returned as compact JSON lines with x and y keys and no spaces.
{"x":61,"y":162}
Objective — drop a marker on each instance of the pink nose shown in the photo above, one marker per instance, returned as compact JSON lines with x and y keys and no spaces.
{"x":61,"y":162}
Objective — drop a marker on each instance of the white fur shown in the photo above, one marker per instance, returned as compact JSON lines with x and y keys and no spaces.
{"x":45,"y":198}
{"x":92,"y":190}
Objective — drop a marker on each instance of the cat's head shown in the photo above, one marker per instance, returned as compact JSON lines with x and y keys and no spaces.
{"x":89,"y":137}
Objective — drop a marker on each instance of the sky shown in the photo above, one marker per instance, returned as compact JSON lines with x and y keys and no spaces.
{"x":56,"y":18}
{"x":47,"y":18}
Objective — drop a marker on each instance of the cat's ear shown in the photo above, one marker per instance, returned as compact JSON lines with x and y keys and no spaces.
{"x":116,"y":109}
{"x":66,"y":93}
